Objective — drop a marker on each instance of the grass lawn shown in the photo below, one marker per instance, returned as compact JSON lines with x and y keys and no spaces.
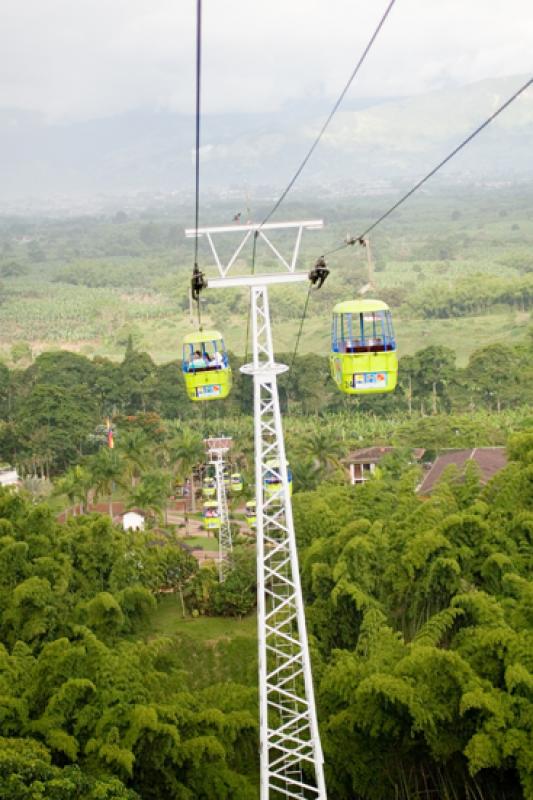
{"x":210,"y":650}
{"x":168,"y":621}
{"x":201,"y":542}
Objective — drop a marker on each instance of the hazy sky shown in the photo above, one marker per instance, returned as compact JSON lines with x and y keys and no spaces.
{"x":77,"y":59}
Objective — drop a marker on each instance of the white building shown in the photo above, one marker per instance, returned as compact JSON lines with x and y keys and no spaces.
{"x":9,"y":477}
{"x":133,"y":521}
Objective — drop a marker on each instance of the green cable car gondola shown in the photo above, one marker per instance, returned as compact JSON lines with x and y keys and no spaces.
{"x":272,"y":481}
{"x":211,"y":516}
{"x":236,"y":483}
{"x":363,"y":357}
{"x":206,"y":366}
{"x":251,"y":514}
{"x":209,"y":487}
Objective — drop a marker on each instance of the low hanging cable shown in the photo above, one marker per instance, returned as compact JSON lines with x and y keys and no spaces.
{"x":298,"y":172}
{"x":351,"y":240}
{"x":250,"y":304}
{"x":302,"y":320}
{"x":317,"y":276}
{"x":198,"y":281}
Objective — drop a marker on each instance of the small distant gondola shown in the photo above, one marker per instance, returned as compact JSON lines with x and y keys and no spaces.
{"x":251,"y":514}
{"x":211,"y":515}
{"x":272,"y":481}
{"x":236,"y":483}
{"x":209,"y":487}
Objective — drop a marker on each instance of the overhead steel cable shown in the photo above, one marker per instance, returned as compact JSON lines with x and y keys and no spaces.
{"x":299,"y":335}
{"x":298,"y":172}
{"x":198,"y":120}
{"x":254,"y":250}
{"x":352,"y":240}
{"x":198,"y":280}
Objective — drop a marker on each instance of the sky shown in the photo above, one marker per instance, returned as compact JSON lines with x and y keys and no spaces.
{"x":83,"y":59}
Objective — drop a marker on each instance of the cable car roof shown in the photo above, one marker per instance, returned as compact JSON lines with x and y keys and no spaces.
{"x":202,"y":336}
{"x":360,"y":306}
{"x":211,"y":504}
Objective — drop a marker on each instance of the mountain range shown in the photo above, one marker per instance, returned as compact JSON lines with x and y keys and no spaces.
{"x":370,"y":144}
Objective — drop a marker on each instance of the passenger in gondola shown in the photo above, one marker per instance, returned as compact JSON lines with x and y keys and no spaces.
{"x":217,"y":361}
{"x":198,"y":362}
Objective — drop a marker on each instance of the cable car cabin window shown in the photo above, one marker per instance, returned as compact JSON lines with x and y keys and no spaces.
{"x":365,"y":332}
{"x":204,"y":356}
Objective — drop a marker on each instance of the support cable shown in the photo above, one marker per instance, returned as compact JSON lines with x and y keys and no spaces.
{"x":351,"y":240}
{"x":317,"y":276}
{"x":331,"y":115}
{"x":256,"y":234}
{"x":198,"y":281}
{"x":302,"y":320}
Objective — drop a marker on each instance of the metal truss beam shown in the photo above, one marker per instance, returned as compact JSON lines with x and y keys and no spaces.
{"x":258,"y":230}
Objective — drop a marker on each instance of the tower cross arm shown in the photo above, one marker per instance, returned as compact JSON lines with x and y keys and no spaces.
{"x":258,"y":230}
{"x":307,"y":224}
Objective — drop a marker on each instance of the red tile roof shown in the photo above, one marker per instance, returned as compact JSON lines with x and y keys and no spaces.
{"x":490,"y":460}
{"x":373,"y":455}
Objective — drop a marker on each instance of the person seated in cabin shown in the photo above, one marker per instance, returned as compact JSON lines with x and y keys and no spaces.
{"x":198,"y":362}
{"x":217,"y":361}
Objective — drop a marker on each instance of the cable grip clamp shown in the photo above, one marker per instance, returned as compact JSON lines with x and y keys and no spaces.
{"x":198,"y":282}
{"x":319,"y":273}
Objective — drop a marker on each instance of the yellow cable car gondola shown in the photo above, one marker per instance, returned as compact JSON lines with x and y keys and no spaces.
{"x":272,"y":481}
{"x":236,"y":483}
{"x":206,"y":366}
{"x":251,"y":514}
{"x":211,"y":516}
{"x":363,"y":357}
{"x":209,"y":487}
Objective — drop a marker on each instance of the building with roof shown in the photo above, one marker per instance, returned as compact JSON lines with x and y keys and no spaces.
{"x":490,"y":460}
{"x":9,"y":476}
{"x":362,"y":464}
{"x":133,"y":520}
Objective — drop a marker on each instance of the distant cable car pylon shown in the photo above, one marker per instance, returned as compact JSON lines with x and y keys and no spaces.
{"x":216,"y":449}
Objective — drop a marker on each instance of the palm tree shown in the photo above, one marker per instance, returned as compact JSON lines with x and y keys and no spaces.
{"x":307,"y":475}
{"x":107,"y":469}
{"x":75,"y":483}
{"x":151,"y":494}
{"x":187,"y":451}
{"x":133,"y":447}
{"x":323,"y":449}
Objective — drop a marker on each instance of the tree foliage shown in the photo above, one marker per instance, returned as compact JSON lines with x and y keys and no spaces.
{"x":421,"y":613}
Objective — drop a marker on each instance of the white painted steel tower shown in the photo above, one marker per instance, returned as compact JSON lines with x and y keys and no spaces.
{"x":290,"y":749}
{"x":216,"y":450}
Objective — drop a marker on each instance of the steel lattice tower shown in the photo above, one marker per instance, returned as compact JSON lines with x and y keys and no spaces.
{"x":290,"y":750}
{"x":217,"y":449}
